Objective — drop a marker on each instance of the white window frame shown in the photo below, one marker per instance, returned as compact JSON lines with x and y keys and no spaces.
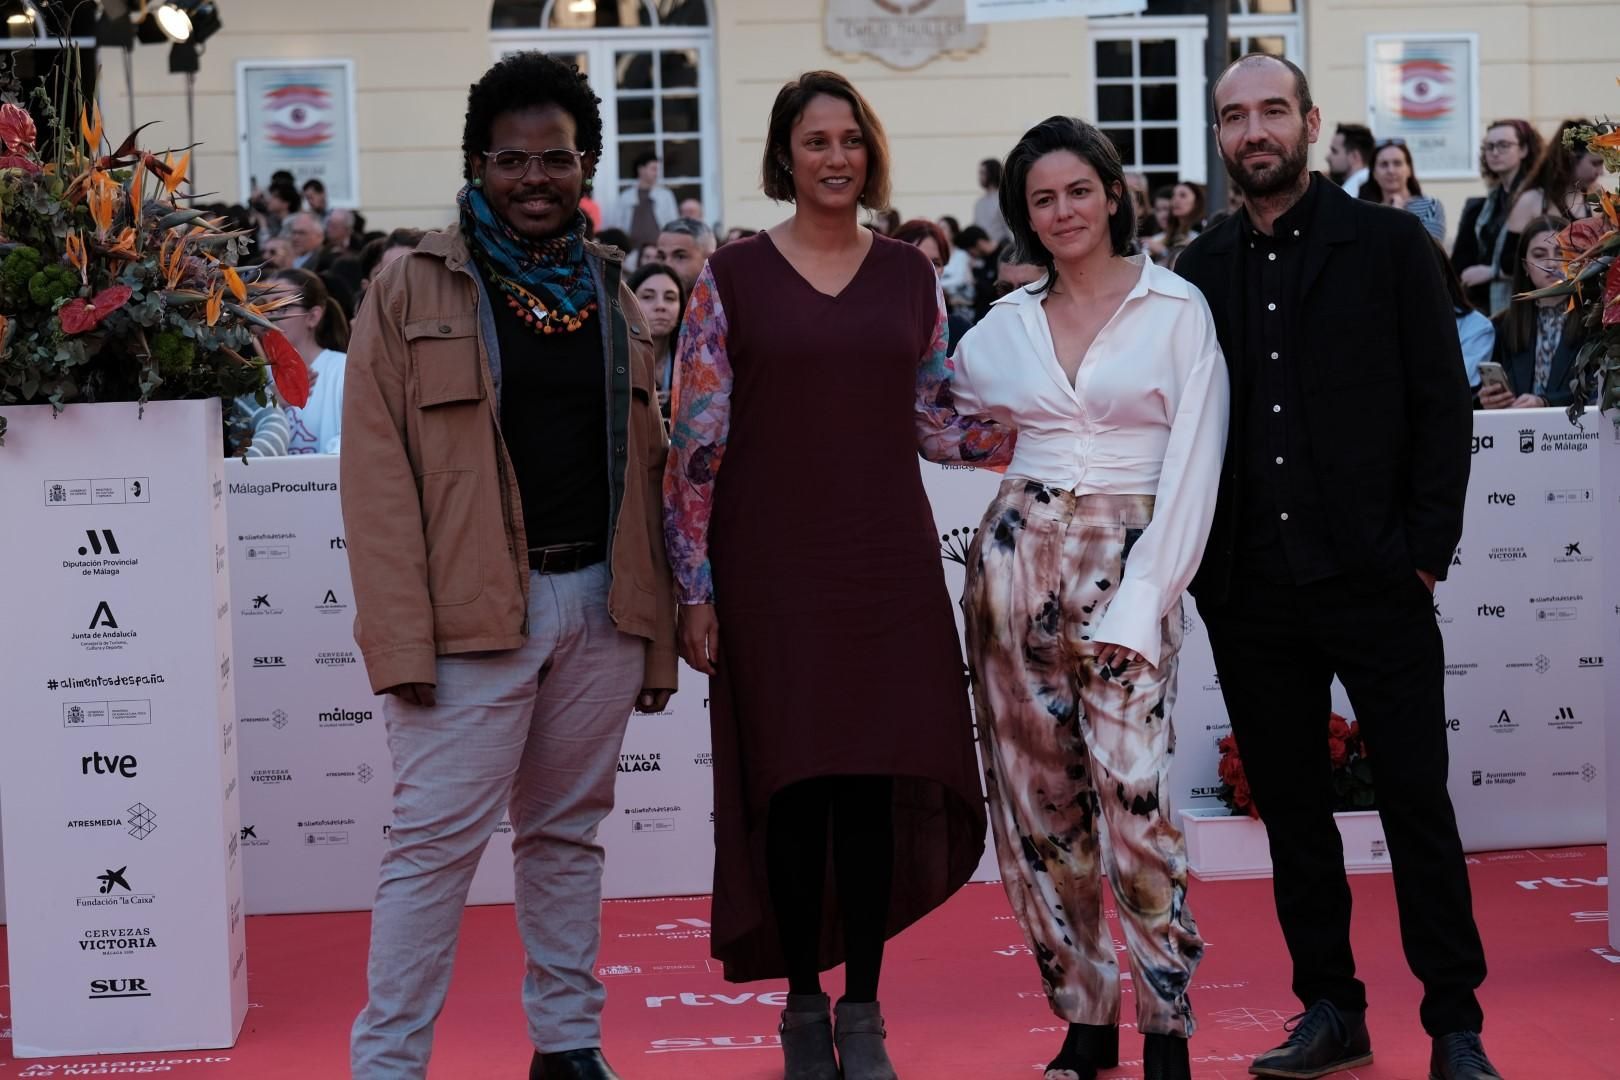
{"x":599,"y":46}
{"x":1188,"y":33}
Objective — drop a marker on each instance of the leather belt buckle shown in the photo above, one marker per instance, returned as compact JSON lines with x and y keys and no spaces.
{"x":562,"y":558}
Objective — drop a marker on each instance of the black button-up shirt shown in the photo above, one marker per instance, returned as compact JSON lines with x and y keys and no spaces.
{"x":1285,"y":536}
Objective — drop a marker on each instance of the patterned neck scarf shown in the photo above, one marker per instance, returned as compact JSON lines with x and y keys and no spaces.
{"x":548,"y":283}
{"x":1549,"y":335}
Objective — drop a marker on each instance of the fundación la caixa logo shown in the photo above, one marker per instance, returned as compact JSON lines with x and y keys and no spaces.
{"x":116,"y":888}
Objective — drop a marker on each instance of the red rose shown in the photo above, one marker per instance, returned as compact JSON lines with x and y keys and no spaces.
{"x":1338,"y":751}
{"x":1337,"y":728}
{"x":1243,"y":799}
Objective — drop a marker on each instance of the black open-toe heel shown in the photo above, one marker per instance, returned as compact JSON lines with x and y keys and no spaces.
{"x":1087,"y":1048}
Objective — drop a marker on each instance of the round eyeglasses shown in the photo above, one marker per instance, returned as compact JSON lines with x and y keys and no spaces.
{"x":558,"y":164}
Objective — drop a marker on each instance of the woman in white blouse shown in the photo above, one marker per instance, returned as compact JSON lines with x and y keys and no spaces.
{"x":1108,"y":368}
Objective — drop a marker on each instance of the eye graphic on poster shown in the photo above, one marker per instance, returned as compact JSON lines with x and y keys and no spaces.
{"x":297,"y":116}
{"x":1423,"y":90}
{"x":1427,"y":89}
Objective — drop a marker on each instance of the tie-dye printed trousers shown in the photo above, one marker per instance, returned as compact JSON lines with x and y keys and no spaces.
{"x":1077,"y":755}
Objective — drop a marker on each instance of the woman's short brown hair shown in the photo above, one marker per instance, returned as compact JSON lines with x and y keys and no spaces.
{"x":790,"y":105}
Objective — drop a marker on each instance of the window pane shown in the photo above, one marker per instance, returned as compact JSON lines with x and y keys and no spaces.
{"x":683,"y":13}
{"x":680,"y":115}
{"x":688,"y":191}
{"x":679,"y":68}
{"x":1113,"y":59}
{"x":1273,"y":7}
{"x":1175,"y":7}
{"x":682,"y":158}
{"x":633,"y":70}
{"x":1158,"y":58}
{"x":1124,"y":140}
{"x":1276,"y":46}
{"x":516,"y":14}
{"x":1158,"y":101}
{"x":1158,"y":180}
{"x":579,"y":60}
{"x":1115,"y":103}
{"x":629,"y":150}
{"x":598,"y":15}
{"x":635,"y":116}
{"x":1159,"y":146}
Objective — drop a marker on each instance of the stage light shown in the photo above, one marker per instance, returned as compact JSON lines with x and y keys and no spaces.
{"x":183,"y":59}
{"x":582,"y":7}
{"x":205,"y":22}
{"x":173,"y":21}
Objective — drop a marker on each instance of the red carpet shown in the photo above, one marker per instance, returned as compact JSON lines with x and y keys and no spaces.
{"x":963,"y":999}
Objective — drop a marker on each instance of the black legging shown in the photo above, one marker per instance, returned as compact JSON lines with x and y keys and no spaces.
{"x":860,"y":810}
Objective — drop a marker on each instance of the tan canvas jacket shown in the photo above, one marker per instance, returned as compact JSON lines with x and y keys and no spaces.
{"x":431,"y":509}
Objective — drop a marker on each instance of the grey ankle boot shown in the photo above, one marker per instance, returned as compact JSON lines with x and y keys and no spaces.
{"x":807,"y":1041}
{"x":860,"y":1036}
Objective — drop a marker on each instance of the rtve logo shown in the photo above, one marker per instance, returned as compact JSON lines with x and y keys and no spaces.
{"x":1492,"y":611}
{"x":109,"y":765}
{"x":1502,"y":498}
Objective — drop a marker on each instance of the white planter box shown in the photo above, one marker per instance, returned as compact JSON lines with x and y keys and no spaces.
{"x":118,"y":744}
{"x":1222,"y":847}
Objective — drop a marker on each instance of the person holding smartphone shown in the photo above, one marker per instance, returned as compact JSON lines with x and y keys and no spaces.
{"x":1537,"y":341}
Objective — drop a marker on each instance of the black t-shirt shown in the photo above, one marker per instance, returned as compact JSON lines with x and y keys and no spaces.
{"x":554,"y":416}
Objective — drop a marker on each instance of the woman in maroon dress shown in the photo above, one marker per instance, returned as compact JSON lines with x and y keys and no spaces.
{"x":812,"y":363}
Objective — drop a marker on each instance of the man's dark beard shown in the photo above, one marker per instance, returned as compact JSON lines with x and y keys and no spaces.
{"x":1278,"y":178}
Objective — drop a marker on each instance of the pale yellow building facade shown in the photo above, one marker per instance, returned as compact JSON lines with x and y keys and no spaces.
{"x":694,"y":79}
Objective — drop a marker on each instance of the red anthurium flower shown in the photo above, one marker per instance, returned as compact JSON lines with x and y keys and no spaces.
{"x":16,"y":128}
{"x":16,"y":161}
{"x":287,"y":368}
{"x":80,"y":315}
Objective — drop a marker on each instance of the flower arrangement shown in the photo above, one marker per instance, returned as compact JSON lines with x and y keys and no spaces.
{"x":1589,"y":251}
{"x":1347,"y":750}
{"x":111,"y":289}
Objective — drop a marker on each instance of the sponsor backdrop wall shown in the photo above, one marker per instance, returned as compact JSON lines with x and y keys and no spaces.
{"x":118,"y":762}
{"x":1521,"y":613}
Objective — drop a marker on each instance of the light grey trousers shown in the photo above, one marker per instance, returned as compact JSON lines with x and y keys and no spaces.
{"x":538,"y":728}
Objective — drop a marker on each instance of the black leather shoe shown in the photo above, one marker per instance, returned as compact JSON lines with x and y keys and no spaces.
{"x":586,"y":1064}
{"x":1461,"y":1056}
{"x":1323,"y":1039}
{"x":1164,"y":1057}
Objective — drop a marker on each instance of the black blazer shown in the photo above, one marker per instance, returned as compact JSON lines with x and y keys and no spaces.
{"x":1388,"y":409}
{"x":1521,"y":365}
{"x":1465,"y":252}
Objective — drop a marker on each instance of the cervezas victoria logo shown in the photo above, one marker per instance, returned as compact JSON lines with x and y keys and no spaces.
{"x":119,"y":942}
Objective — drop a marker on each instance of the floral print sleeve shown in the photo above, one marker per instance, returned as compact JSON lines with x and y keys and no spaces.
{"x":700,"y":420}
{"x":943,"y":436}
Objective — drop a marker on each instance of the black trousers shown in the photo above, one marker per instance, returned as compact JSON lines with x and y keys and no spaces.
{"x":1277,"y":648}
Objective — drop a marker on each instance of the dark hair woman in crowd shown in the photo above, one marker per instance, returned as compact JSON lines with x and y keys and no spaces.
{"x":1506,"y":153}
{"x":1536,"y":340}
{"x":662,"y":296}
{"x":1557,"y":185}
{"x":1187,"y":212}
{"x":1108,"y":369}
{"x":501,"y":476}
{"x":1393,"y":181}
{"x":838,"y":708}
{"x":932,"y":241}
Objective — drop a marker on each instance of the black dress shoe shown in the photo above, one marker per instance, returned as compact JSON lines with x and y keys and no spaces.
{"x":588,"y":1064}
{"x":1086,"y":1048}
{"x":1323,"y":1039}
{"x":1461,"y":1056}
{"x":1164,"y":1057}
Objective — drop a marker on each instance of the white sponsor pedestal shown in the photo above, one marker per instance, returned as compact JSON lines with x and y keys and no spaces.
{"x":1221,"y":846}
{"x":1609,"y":613}
{"x":118,"y":751}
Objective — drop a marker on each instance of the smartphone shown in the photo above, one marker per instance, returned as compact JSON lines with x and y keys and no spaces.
{"x":1492,"y":372}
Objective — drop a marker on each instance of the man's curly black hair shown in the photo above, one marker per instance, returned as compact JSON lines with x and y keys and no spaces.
{"x":521,"y":81}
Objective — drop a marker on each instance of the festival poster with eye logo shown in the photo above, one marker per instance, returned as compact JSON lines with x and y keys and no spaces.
{"x":1424,"y":89}
{"x":299,"y":116}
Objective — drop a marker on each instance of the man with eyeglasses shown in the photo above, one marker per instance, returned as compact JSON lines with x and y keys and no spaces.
{"x":502,"y":482}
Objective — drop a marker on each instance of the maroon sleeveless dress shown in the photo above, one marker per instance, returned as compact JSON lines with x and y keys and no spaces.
{"x":838,"y":643}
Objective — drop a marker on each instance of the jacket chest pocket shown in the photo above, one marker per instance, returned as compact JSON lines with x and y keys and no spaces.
{"x":449,"y":386}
